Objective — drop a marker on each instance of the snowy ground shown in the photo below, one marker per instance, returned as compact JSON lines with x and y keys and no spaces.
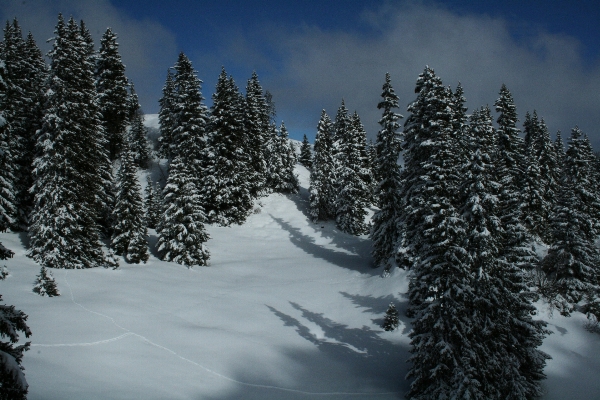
{"x":286,"y":310}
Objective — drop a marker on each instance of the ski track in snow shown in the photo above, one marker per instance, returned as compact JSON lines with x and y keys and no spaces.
{"x":227,"y":378}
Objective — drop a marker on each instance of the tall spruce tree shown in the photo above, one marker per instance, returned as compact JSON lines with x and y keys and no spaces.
{"x":504,"y":350}
{"x":256,"y":122}
{"x":287,"y":181}
{"x":137,"y":134}
{"x":130,"y":230}
{"x":366,"y":173}
{"x":509,"y":170}
{"x":8,"y":207}
{"x":385,"y":232}
{"x":182,"y":235}
{"x":305,"y":153}
{"x":573,"y":259}
{"x":440,"y":288}
{"x":64,"y":231}
{"x":166,"y":118}
{"x":322,"y":173}
{"x":352,"y":191}
{"x":25,"y":77}
{"x":542,"y":175}
{"x":13,"y":384}
{"x":111,"y":85}
{"x":226,"y":190}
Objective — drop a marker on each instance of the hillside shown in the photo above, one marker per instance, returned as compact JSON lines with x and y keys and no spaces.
{"x":286,"y":310}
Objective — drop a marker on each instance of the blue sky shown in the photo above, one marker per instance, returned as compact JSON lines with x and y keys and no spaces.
{"x":311,"y":54}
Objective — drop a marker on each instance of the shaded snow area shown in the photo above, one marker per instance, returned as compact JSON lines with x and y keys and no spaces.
{"x":286,"y":310}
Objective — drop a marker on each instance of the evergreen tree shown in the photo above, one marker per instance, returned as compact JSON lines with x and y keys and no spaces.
{"x":386,"y":232}
{"x":440,"y":288}
{"x":45,"y":285}
{"x":542,"y":175}
{"x":500,"y":302}
{"x":392,"y":319}
{"x":352,"y":190}
{"x":257,"y":122}
{"x":137,"y":137}
{"x":8,"y":207}
{"x":166,"y":118}
{"x":305,"y":153}
{"x":111,"y":85}
{"x":226,"y":189}
{"x":288,"y":181}
{"x":5,"y":253}
{"x":13,"y":384}
{"x":365,"y":172}
{"x":67,"y":185}
{"x":189,"y":126}
{"x":509,"y":170}
{"x":25,"y":75}
{"x":181,"y":230}
{"x":130,"y":231}
{"x":322,"y":173}
{"x":153,"y":203}
{"x":3,"y":273}
{"x":573,"y":259}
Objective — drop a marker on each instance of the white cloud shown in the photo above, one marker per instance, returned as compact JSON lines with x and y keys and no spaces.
{"x":146,"y":47}
{"x":544,"y":71}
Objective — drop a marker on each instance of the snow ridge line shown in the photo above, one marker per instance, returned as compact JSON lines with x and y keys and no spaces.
{"x":254,"y":385}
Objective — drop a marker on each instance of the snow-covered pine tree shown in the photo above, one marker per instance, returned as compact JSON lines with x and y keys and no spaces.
{"x":305,"y":153}
{"x":256,"y":122}
{"x":137,"y":138}
{"x":111,"y":85}
{"x":152,"y":203}
{"x":509,"y":169}
{"x":287,"y":182}
{"x":391,"y":319}
{"x":189,"y":127}
{"x":385,"y":232}
{"x":226,"y":188}
{"x":8,"y":208}
{"x":45,"y":285}
{"x":181,"y":230}
{"x":166,"y":118}
{"x":366,"y":173}
{"x":499,"y":303}
{"x":274,"y":159}
{"x":3,"y":273}
{"x":130,"y":232}
{"x":67,"y":186}
{"x":25,"y":77}
{"x":13,"y":384}
{"x":350,"y":203}
{"x":573,"y":259}
{"x":440,"y":287}
{"x":5,"y":253}
{"x":322,"y":173}
{"x":542,"y":175}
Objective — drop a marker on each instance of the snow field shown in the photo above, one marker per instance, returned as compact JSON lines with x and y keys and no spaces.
{"x":286,"y":309}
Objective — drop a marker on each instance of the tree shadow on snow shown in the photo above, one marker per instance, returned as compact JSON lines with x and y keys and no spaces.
{"x":356,"y":255}
{"x":379,"y":305}
{"x":348,"y":363}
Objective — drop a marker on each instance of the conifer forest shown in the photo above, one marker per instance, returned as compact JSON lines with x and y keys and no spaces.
{"x":471,"y":234}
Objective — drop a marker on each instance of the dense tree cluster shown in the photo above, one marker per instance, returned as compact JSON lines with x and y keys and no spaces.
{"x":341,"y":178}
{"x":463,"y":213}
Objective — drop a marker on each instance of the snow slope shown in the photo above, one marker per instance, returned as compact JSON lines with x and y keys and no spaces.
{"x":286,"y":310}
